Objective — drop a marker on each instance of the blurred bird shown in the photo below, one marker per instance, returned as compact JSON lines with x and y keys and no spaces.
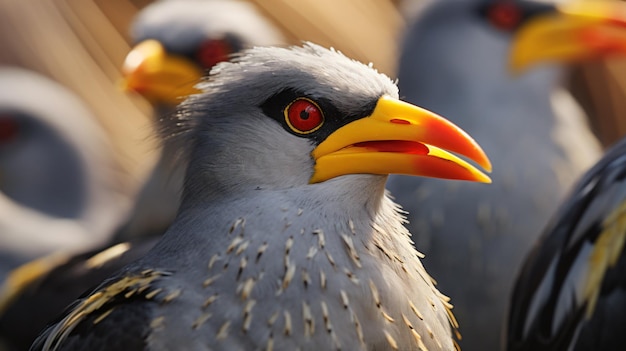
{"x":58,"y":189}
{"x":176,"y":43}
{"x":184,"y":36}
{"x":571,"y":292}
{"x":466,"y":61}
{"x":285,"y":238}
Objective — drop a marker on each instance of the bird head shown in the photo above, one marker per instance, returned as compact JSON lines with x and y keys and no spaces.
{"x":565,"y":32}
{"x":41,"y":161}
{"x":280,"y":118}
{"x":177,"y":41}
{"x":476,"y":50}
{"x":38,"y":164}
{"x":55,"y":166}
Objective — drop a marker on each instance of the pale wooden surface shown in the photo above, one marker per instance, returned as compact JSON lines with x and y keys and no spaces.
{"x":601,"y":90}
{"x":75,"y":44}
{"x":367,"y":30}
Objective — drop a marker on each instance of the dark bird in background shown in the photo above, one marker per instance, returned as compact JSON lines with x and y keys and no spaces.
{"x":177,"y":41}
{"x":466,"y":60}
{"x":58,"y":189}
{"x":285,"y":237}
{"x":571,"y":291}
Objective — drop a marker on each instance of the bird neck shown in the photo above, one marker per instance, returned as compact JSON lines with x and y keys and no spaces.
{"x":344,"y":194}
{"x":358,"y":200}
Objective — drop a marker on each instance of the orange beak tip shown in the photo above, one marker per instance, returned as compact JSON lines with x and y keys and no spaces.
{"x":486,"y":164}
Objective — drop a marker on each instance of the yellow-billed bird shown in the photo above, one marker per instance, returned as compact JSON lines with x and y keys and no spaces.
{"x":176,"y":42}
{"x":285,"y":237}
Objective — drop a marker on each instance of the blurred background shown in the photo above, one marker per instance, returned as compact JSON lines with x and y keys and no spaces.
{"x":82,"y":45}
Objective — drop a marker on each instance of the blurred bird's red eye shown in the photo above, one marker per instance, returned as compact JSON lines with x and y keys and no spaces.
{"x":303,"y":116}
{"x":505,"y":15}
{"x":8,"y":128}
{"x":212,"y":52}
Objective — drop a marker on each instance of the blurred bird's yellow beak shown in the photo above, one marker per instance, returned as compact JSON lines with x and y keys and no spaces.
{"x":159,"y":77}
{"x":399,"y":138}
{"x":576,"y":32}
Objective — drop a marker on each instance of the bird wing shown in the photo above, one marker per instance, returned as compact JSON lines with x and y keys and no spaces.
{"x":570,"y":279}
{"x":40,"y":290}
{"x":122,"y":301}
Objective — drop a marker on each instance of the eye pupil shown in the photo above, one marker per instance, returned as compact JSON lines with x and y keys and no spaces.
{"x":303,"y":116}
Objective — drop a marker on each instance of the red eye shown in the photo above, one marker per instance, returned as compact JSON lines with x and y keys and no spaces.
{"x":9,"y":129}
{"x":212,"y":52}
{"x":504,"y":15}
{"x":303,"y":116}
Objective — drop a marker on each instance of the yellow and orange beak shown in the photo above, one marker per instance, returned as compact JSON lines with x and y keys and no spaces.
{"x":575,"y":32}
{"x":161,"y":78}
{"x":399,"y":138}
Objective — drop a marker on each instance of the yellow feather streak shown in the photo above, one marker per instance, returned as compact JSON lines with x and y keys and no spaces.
{"x":95,"y":301}
{"x":605,"y":254}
